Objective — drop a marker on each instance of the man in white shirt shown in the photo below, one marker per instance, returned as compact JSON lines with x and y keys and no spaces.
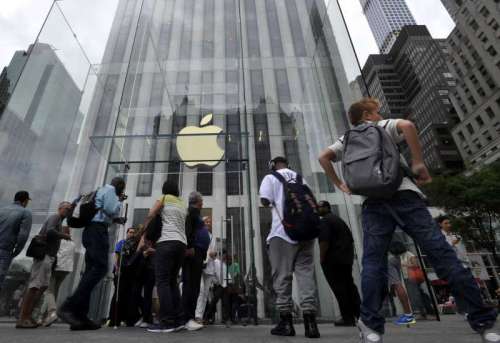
{"x":288,"y":257}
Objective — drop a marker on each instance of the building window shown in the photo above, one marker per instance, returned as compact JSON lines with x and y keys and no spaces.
{"x":479,"y":121}
{"x":470,"y":128}
{"x":491,"y":50}
{"x":490,"y":112}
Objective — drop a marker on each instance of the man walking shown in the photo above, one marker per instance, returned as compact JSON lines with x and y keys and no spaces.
{"x":405,"y":207}
{"x":95,"y":240}
{"x":41,"y":271}
{"x":288,"y":257}
{"x":337,"y":256}
{"x":15,"y":227}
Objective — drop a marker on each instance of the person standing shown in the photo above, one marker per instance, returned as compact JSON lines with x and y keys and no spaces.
{"x":456,"y":243}
{"x":407,"y":208}
{"x":288,"y":257}
{"x":117,"y":312}
{"x":337,"y":257}
{"x":95,"y":240}
{"x":41,"y":270}
{"x":15,"y":227}
{"x":192,"y":267}
{"x":220,"y":292}
{"x":209,"y":275}
{"x":64,"y":266}
{"x":169,"y":255}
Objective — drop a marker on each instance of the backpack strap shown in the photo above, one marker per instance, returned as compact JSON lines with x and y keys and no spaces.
{"x":279,"y":177}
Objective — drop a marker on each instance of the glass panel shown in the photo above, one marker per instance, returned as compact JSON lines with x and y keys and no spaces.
{"x":274,"y":75}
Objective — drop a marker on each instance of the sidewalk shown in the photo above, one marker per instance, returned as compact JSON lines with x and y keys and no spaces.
{"x":453,"y":329}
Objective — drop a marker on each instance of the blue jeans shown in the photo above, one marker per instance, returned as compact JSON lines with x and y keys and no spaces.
{"x":378,"y":226}
{"x":96,"y":243}
{"x":5,"y":261}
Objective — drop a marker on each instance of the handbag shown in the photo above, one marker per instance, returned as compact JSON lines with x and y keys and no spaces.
{"x":416,"y":274}
{"x":153,"y":229}
{"x":37,"y":248}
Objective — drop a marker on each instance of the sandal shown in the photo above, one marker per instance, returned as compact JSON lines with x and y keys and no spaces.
{"x":26,"y":324}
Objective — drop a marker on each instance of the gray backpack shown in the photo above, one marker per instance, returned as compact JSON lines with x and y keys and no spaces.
{"x":371,"y":162}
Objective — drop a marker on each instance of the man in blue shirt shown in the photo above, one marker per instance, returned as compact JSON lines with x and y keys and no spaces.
{"x":15,"y":227}
{"x":95,"y":240}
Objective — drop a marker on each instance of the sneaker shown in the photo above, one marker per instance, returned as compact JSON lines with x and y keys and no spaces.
{"x":139,"y":323}
{"x":51,"y":318}
{"x":192,"y":325}
{"x":367,"y":335}
{"x":284,"y":326}
{"x":161,"y":328}
{"x":26,"y":324}
{"x":490,"y":336}
{"x":145,"y":325}
{"x":68,"y":316}
{"x":405,"y":319}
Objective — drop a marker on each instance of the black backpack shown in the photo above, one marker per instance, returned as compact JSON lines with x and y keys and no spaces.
{"x":88,"y":210}
{"x":300,"y":213}
{"x":371,"y":162}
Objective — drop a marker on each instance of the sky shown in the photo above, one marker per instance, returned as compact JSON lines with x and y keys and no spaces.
{"x":21,"y":20}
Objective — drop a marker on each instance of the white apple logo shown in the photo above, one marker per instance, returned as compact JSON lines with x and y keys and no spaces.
{"x":198,"y":145}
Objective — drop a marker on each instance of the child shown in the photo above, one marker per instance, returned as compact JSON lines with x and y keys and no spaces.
{"x":407,"y":209}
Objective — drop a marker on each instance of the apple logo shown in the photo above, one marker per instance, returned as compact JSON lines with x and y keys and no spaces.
{"x":198,"y":145}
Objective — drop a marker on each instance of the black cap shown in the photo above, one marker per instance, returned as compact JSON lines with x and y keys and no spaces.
{"x":22,"y":196}
{"x":280,"y":159}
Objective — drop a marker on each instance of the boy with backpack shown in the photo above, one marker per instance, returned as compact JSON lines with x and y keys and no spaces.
{"x":290,"y":256}
{"x":373,"y":168}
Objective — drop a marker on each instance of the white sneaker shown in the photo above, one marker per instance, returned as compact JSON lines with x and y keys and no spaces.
{"x":192,"y":325}
{"x":367,"y":335}
{"x":145,"y":325}
{"x":51,"y":318}
{"x":490,"y":336}
{"x":139,"y":323}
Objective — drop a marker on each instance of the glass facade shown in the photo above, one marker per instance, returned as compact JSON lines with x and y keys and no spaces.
{"x":272,"y":73}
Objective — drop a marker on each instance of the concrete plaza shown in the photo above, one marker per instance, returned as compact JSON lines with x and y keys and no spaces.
{"x":451,"y":329}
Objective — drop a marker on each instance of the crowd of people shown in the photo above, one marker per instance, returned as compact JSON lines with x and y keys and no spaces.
{"x":174,"y":251}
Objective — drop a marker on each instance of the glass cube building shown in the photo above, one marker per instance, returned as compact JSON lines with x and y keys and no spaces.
{"x":274,"y":74}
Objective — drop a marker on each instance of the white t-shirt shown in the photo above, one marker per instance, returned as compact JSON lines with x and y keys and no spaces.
{"x":459,"y":248}
{"x":391,"y":128}
{"x":173,"y":216}
{"x":65,"y":256}
{"x":272,"y":190}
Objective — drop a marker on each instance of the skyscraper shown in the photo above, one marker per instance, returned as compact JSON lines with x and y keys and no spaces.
{"x":386,"y":18}
{"x":271,"y":74}
{"x":413,"y":81}
{"x":474,"y":60}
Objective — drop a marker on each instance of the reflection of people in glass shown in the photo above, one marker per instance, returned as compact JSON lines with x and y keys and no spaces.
{"x":41,"y":270}
{"x":337,"y":256}
{"x":15,"y":227}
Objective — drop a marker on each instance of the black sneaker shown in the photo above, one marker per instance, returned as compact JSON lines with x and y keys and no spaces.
{"x":68,"y":316}
{"x":161,"y":328}
{"x":343,"y":322}
{"x":87,"y":325}
{"x":310,"y":325}
{"x":285,"y":326}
